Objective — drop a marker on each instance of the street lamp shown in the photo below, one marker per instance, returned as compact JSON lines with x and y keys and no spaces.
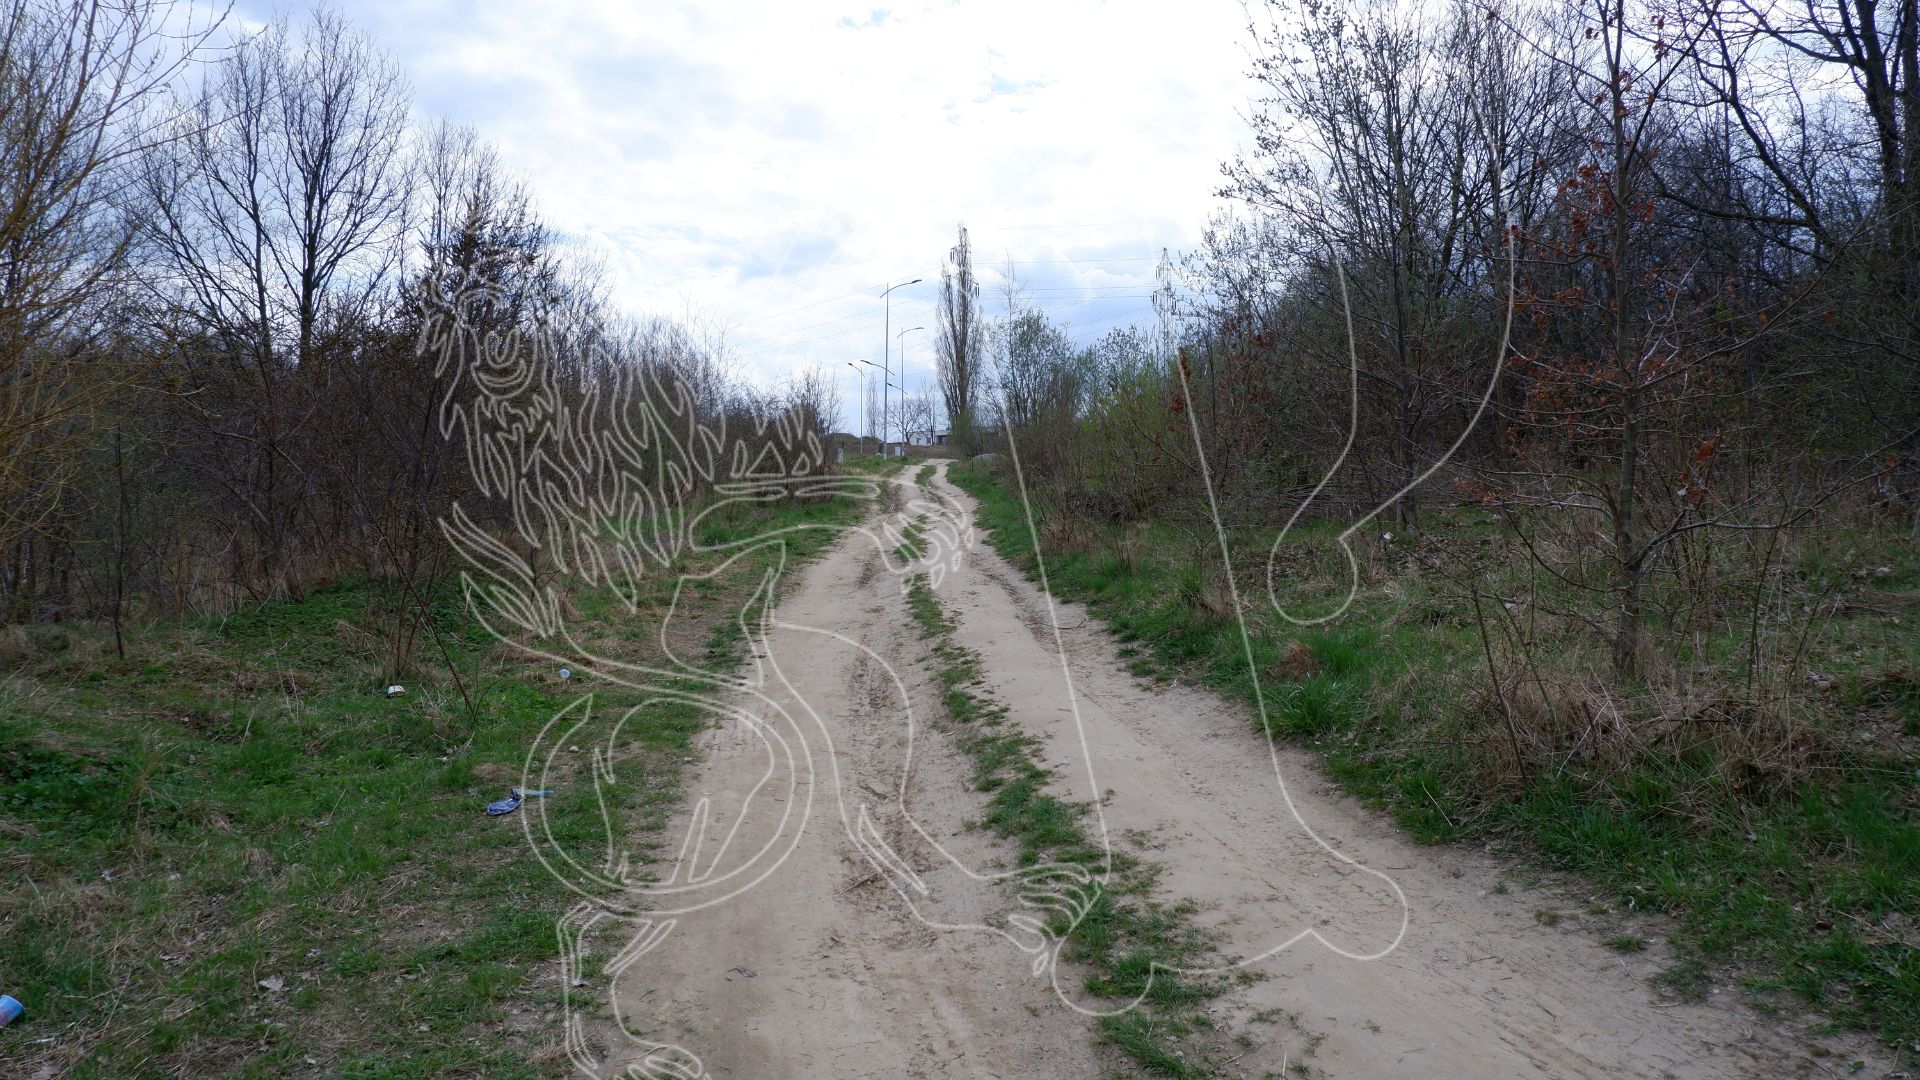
{"x":886,"y":358}
{"x":884,"y":383}
{"x":905,"y":435}
{"x":863,"y":404}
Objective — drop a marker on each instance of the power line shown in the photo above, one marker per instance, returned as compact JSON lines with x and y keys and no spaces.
{"x":1082,"y":225}
{"x":1083,"y":288}
{"x":1090,"y":300}
{"x":768,"y":350}
{"x":803,"y":307}
{"x":769,"y":344}
{"x":1064,"y":289}
{"x":922,"y":312}
{"x":810,"y":275}
{"x":810,"y":326}
{"x":823,"y":322}
{"x":1077,"y":262}
{"x":1111,"y":318}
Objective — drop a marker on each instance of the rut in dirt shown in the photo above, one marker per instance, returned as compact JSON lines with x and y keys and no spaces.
{"x":1372,"y":956}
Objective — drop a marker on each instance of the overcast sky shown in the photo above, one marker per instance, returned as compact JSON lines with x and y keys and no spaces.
{"x":769,"y":164}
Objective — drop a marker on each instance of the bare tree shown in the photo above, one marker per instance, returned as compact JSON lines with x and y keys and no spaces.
{"x":82,"y":87}
{"x":292,"y":181}
{"x":1035,"y":356}
{"x":1818,"y":107}
{"x":1880,"y":57}
{"x":1357,"y":81}
{"x":1628,"y":324}
{"x":283,"y":202}
{"x":962,"y":336}
{"x":481,"y":248}
{"x":812,"y":401}
{"x":917,"y":413}
{"x":338,"y":180}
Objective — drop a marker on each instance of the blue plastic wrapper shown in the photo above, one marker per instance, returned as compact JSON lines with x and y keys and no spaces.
{"x":10,"y":1010}
{"x":514,"y":797}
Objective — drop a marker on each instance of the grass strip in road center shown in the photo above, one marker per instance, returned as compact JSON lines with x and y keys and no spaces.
{"x":1127,"y":942}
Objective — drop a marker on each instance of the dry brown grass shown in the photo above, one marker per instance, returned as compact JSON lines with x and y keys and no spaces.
{"x":1130,"y":552}
{"x":1562,"y":719}
{"x":15,"y":646}
{"x":1296,"y":664}
{"x":1206,"y":596}
{"x":1066,"y":533}
{"x":279,"y":680}
{"x":362,"y":641}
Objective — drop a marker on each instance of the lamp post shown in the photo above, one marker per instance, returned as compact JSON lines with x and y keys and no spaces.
{"x":884,"y":383}
{"x":886,"y":357}
{"x":905,"y":435}
{"x":863,"y":404}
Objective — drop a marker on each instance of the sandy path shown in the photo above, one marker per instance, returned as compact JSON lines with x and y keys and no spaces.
{"x":1476,"y":987}
{"x":820,"y":969}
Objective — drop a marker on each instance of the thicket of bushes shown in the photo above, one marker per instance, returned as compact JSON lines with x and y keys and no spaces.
{"x":1570,"y":263}
{"x":245,"y":315}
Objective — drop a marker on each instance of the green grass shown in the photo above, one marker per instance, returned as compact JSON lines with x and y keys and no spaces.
{"x":912,"y":541}
{"x":1806,"y":882}
{"x":1129,"y":943}
{"x":231,"y":854}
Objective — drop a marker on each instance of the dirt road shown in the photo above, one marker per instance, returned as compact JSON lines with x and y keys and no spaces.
{"x":1387,"y":958}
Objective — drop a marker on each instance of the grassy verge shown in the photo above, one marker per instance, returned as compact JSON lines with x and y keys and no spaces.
{"x":231,"y":854}
{"x":876,"y":465}
{"x":1125,"y":940}
{"x":1777,"y":827}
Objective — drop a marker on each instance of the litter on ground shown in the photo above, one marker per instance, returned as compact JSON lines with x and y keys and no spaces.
{"x":514,"y":797}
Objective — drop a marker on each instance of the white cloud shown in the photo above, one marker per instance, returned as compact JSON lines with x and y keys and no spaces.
{"x":758,"y":161}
